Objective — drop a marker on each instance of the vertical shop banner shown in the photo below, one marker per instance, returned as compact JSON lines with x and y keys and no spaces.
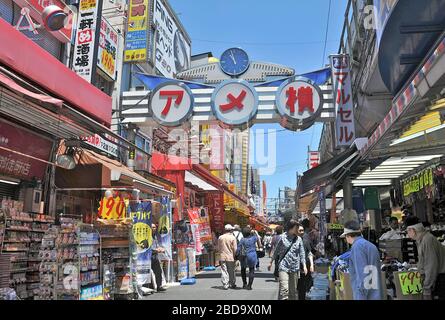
{"x":195,"y":221}
{"x":136,"y":40}
{"x":205,"y":230}
{"x":343,"y":99}
{"x":191,"y":262}
{"x":165,"y":228}
{"x":264,"y":196}
{"x":141,"y":216}
{"x":313,"y":159}
{"x":85,"y":46}
{"x":183,"y":234}
{"x":172,"y":49}
{"x":182,"y":263}
{"x":108,"y":46}
{"x":215,"y":202}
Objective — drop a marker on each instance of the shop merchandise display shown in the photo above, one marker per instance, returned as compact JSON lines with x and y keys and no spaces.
{"x":115,"y":237}
{"x":70,"y":262}
{"x":22,"y":235}
{"x":320,"y":288}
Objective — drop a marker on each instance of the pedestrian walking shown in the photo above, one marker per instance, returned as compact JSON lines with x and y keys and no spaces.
{"x":238,"y":236}
{"x":267,"y":242}
{"x":305,"y":281}
{"x":275,"y":239}
{"x":156,"y":267}
{"x":227,"y":249}
{"x":290,"y":254}
{"x":364,"y":264}
{"x":248,"y":256}
{"x":431,"y":264}
{"x":258,"y":247}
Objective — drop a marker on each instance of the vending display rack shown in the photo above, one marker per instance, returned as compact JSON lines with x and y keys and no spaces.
{"x":115,"y":236}
{"x":71,"y":262}
{"x":21,"y":238}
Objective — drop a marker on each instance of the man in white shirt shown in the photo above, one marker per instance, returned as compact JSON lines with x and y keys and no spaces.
{"x":237,"y":233}
{"x":238,"y":236}
{"x":394,"y":233}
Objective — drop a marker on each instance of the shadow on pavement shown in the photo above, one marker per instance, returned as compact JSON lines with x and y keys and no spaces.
{"x":218,"y":275}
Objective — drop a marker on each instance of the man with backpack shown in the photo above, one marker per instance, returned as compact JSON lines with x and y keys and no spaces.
{"x":290,"y":253}
{"x":238,"y":236}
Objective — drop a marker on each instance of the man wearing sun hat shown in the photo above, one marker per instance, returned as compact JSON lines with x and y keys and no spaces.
{"x":431,"y":254}
{"x":227,"y":248}
{"x":364,"y":264}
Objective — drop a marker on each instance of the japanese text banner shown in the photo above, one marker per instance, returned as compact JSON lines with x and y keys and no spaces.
{"x":343,"y":99}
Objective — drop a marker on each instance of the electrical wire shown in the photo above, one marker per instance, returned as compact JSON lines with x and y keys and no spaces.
{"x":326,"y":34}
{"x":264,"y":43}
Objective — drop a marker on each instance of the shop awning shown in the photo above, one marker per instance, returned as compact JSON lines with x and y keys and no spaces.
{"x":31,"y":61}
{"x":307,"y":203}
{"x":122,"y":174}
{"x":110,"y":173}
{"x":392,"y":168}
{"x":8,"y":82}
{"x":198,"y":182}
{"x":325,"y":172}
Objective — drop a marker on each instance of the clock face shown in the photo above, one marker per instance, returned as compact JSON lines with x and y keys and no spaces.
{"x":234,"y":61}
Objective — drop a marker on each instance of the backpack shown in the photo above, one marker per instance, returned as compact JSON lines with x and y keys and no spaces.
{"x":241,"y":251}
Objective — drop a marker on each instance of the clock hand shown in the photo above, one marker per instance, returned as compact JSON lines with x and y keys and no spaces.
{"x":233,"y":57}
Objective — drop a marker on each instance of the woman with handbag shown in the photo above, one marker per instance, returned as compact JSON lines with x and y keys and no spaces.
{"x":247,"y":255}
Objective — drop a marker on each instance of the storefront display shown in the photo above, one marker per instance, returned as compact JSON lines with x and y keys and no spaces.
{"x":116,"y":257}
{"x":70,"y":262}
{"x":23,"y":233}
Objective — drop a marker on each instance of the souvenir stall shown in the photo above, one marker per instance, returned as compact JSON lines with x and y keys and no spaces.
{"x":121,"y":205}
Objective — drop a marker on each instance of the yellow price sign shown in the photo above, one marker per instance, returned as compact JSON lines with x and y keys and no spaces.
{"x":107,"y":62}
{"x":112,"y":208}
{"x":410,"y":283}
{"x":335,"y":226}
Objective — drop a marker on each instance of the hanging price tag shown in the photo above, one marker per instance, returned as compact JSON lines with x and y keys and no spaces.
{"x":112,"y":208}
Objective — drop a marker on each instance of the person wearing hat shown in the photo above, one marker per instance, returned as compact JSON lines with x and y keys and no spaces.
{"x":227,"y":249}
{"x":364,"y":264}
{"x":431,"y":255}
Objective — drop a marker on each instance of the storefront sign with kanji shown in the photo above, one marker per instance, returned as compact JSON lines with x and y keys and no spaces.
{"x":234,"y":102}
{"x":171,"y":103}
{"x":343,"y":100}
{"x":83,"y":58}
{"x":299,"y":100}
{"x":106,"y":55}
{"x":136,"y":40}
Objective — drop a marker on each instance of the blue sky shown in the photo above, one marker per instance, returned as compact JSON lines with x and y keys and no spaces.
{"x":288,"y":32}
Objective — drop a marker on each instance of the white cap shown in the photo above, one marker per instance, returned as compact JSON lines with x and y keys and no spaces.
{"x":228,"y":227}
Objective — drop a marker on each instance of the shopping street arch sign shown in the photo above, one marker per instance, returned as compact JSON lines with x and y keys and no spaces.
{"x":296,"y":102}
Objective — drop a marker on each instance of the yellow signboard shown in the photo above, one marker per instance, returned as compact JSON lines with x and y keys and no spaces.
{"x":136,"y":40}
{"x":410,"y":283}
{"x":112,"y":208}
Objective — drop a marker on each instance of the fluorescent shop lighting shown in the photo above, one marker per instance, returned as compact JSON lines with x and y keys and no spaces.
{"x":372,"y":181}
{"x":9,"y":182}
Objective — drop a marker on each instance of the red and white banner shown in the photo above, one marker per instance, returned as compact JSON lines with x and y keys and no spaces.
{"x":343,"y":100}
{"x":314,"y":159}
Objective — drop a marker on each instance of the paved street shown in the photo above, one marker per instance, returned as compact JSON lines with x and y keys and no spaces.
{"x":208,"y":287}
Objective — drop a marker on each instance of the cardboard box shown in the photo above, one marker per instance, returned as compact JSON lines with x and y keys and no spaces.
{"x":399,"y":293}
{"x":344,"y":288}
